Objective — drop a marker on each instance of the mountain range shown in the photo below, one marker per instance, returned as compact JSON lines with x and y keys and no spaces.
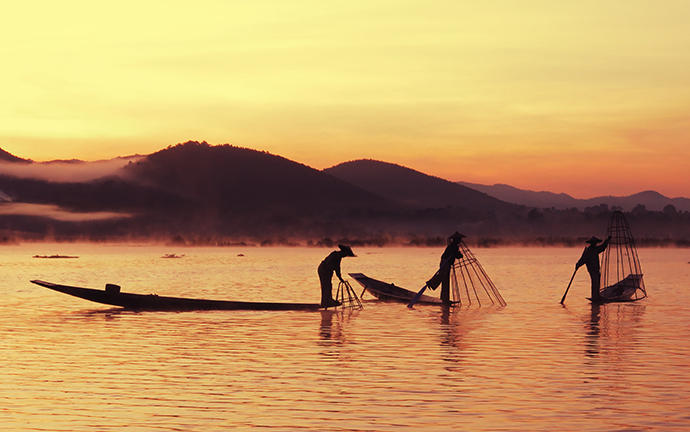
{"x":413,"y":188}
{"x":652,"y":200}
{"x":8,"y":157}
{"x":211,"y":194}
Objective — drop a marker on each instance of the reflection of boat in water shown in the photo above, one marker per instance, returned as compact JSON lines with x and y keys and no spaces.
{"x":151,"y":302}
{"x":612,"y":329}
{"x":390,"y":292}
{"x":621,"y":276}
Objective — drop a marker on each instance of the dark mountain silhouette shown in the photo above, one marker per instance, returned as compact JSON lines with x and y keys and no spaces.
{"x":525,"y":197}
{"x":413,"y":188}
{"x":202,"y":178}
{"x":650,"y":199}
{"x":202,"y":190}
{"x":201,"y":194}
{"x":8,"y":157}
{"x":234,"y":179}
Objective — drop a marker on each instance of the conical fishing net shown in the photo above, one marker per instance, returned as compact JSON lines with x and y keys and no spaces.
{"x":621,"y":277}
{"x":469,"y":282}
{"x":347,"y":296}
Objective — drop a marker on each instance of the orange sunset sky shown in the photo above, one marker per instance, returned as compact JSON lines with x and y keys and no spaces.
{"x":587,"y":98}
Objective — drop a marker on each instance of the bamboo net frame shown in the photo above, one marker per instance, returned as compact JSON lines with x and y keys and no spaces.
{"x":469,"y":282}
{"x":347,"y":296}
{"x":621,"y":271}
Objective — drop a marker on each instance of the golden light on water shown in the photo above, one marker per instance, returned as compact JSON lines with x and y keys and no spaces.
{"x":72,"y":364}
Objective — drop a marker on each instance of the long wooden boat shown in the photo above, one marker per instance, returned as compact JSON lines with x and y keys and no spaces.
{"x":390,"y":292}
{"x":151,"y":302}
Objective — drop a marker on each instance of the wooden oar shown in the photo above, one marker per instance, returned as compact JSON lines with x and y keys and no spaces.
{"x":426,"y":285}
{"x":571,"y":281}
{"x":417,"y":296}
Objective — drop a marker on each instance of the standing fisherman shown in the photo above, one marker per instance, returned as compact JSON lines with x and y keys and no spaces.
{"x":448,"y":257}
{"x":328,"y":266}
{"x":590,"y":258}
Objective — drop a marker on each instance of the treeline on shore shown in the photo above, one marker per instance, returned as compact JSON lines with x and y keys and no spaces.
{"x":369,"y":242}
{"x":531,"y":227}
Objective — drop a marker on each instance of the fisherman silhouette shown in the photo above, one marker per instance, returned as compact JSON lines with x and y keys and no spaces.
{"x":330,"y":265}
{"x":590,"y":258}
{"x":448,"y":257}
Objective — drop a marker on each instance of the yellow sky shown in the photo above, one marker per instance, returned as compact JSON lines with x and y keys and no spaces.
{"x":585,"y":97}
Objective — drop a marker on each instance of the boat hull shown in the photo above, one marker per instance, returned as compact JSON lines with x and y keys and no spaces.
{"x":152,"y":302}
{"x":390,"y":292}
{"x":626,"y":290}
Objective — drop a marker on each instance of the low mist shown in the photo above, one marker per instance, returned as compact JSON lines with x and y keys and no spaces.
{"x":65,"y":171}
{"x":55,"y":212}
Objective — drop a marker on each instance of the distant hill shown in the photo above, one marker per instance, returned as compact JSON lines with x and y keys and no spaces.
{"x":195,"y":193}
{"x":652,"y":200}
{"x":234,"y":179}
{"x":413,"y":188}
{"x":8,"y":157}
{"x":202,"y":190}
{"x":213,"y":179}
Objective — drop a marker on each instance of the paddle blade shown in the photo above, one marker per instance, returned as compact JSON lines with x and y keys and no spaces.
{"x":416,"y":297}
{"x":566,"y":293}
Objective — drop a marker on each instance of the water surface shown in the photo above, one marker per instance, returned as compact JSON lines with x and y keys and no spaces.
{"x":72,"y":365}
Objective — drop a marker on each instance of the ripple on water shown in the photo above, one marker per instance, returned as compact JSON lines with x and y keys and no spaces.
{"x":72,"y":365}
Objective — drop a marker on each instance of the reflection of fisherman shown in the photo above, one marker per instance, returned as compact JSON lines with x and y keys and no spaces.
{"x":590,"y":257}
{"x":329,"y":265}
{"x":448,"y":257}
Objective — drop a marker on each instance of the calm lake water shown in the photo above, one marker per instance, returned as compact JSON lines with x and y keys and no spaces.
{"x":534,"y":365}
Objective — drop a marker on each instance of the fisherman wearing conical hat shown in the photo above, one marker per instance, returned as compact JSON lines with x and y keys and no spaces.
{"x":330,"y":265}
{"x":448,"y":257}
{"x":590,"y":258}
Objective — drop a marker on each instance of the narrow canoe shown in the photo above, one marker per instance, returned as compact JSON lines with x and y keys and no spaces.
{"x":151,"y":302}
{"x":387,"y":291}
